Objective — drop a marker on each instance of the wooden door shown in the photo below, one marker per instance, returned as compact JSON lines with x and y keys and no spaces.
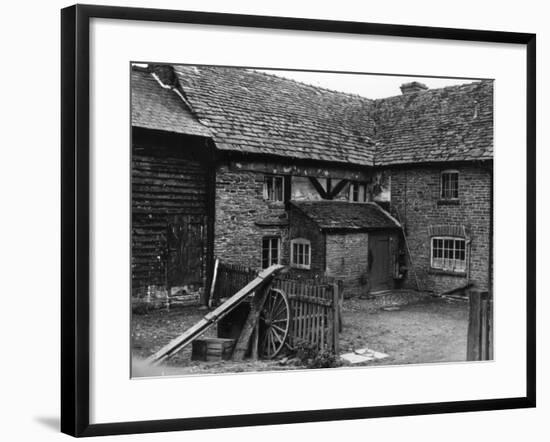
{"x":380,"y":262}
{"x":186,"y":247}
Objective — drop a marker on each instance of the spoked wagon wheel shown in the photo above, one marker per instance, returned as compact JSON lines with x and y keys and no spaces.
{"x":274,"y":324}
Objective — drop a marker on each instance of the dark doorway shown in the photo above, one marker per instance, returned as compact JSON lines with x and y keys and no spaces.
{"x":380,"y":261}
{"x":185,"y":241}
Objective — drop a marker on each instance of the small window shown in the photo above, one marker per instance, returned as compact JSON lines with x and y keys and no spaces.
{"x":300,"y":253}
{"x":273,"y":188}
{"x":358,"y":192}
{"x":271,"y":251}
{"x":449,"y":254}
{"x":449,"y":184}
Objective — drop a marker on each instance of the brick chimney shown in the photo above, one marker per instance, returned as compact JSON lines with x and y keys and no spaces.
{"x":413,"y":87}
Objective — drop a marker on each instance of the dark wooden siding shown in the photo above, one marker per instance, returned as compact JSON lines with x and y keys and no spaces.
{"x":164,"y":188}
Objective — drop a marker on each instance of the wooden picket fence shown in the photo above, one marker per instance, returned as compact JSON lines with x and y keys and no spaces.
{"x":315,"y":303}
{"x":230,"y":278}
{"x":480,"y":326}
{"x":315,"y":313}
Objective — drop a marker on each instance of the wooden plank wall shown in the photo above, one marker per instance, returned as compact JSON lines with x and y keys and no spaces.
{"x":162,"y":189}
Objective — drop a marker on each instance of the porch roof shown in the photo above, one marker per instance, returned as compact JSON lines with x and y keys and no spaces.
{"x":343,"y":215}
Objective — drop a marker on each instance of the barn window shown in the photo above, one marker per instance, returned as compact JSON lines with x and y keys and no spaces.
{"x":300,"y":253}
{"x":449,"y":184}
{"x":271,"y":251}
{"x":273,"y":188}
{"x":358,"y":192}
{"x":449,"y":253}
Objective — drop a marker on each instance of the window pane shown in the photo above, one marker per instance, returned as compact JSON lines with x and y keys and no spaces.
{"x":449,"y":185}
{"x":306,"y":254}
{"x":449,"y":254}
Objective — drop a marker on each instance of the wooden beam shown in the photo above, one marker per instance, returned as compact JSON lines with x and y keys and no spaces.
{"x":250,"y":324}
{"x":303,"y":169}
{"x":338,"y":188}
{"x":318,"y":187}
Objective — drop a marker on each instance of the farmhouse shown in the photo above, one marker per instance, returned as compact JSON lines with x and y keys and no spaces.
{"x":255,"y":169}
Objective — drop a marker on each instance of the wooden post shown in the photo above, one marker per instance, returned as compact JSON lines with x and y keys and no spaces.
{"x":213,"y":283}
{"x":483,"y":335}
{"x":336,"y":316}
{"x":256,"y":306}
{"x":490,"y":327}
{"x":340,"y":304}
{"x":255,"y":340}
{"x":474,"y":327}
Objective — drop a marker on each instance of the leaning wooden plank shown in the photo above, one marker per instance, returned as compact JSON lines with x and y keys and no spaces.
{"x":253,"y":318}
{"x":211,"y":318}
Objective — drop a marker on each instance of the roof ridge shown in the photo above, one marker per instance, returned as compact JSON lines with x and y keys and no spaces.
{"x":303,"y":83}
{"x":432,"y":90}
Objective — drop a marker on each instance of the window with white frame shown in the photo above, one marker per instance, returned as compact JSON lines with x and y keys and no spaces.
{"x":449,"y":184}
{"x":271,"y":251}
{"x":448,"y":254}
{"x":300,"y":253}
{"x":273,"y":188}
{"x":358,"y":192}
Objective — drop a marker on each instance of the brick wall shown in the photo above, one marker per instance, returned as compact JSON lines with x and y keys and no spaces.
{"x":302,"y":227}
{"x":415,"y":193}
{"x":347,"y":259}
{"x":240,"y":206}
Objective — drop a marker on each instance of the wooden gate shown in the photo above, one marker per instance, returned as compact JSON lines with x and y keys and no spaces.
{"x":315,"y":313}
{"x":185,"y":241}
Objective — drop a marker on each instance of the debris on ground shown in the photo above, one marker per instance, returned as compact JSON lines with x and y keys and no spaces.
{"x":362,"y":355}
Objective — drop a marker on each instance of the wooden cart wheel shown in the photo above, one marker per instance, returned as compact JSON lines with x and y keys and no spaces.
{"x":274,"y":324}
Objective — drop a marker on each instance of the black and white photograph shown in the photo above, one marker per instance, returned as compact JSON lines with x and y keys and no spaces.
{"x":297,"y":220}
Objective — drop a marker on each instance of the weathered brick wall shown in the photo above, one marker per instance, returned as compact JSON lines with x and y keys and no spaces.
{"x":347,"y":259}
{"x":302,"y":227}
{"x":415,"y":192}
{"x":239,"y":207}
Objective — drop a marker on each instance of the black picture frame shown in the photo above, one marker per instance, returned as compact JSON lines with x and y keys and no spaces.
{"x":75,"y":211}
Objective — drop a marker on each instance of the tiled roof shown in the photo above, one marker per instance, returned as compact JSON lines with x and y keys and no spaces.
{"x":450,"y":124}
{"x":254,"y":112}
{"x":154,"y":107}
{"x":343,"y":215}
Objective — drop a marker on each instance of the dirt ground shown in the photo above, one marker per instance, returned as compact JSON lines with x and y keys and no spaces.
{"x":429,"y":331}
{"x":434,"y":330}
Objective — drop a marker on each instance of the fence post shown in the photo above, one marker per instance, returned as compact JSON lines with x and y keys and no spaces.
{"x":474,"y":327}
{"x":484,"y":350}
{"x":490,"y":326}
{"x":336,"y":316}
